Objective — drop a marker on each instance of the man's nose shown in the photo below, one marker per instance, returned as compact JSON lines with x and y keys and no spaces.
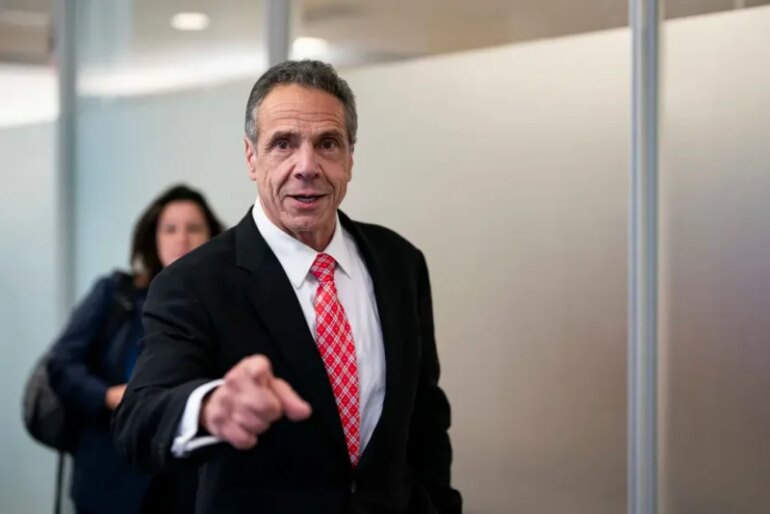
{"x":307,"y":162}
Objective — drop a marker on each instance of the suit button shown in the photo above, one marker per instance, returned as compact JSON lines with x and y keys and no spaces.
{"x":353,"y":487}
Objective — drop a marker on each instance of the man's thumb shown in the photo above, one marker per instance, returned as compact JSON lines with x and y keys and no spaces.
{"x":294,"y":407}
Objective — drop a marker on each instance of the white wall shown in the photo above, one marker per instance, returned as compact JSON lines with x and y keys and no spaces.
{"x":715,"y":266}
{"x":129,"y":150}
{"x":28,"y":95}
{"x":28,"y":310}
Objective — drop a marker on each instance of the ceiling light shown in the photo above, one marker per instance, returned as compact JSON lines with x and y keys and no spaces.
{"x":190,"y":21}
{"x":305,"y":47}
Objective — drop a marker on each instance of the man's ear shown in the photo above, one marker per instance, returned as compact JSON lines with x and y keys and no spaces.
{"x":250,"y":150}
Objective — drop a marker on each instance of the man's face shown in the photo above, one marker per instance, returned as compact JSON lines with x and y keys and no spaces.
{"x":302,"y":161}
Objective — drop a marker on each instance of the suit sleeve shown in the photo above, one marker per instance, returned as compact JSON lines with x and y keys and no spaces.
{"x":69,"y":366}
{"x":429,"y":448}
{"x":173,"y":363}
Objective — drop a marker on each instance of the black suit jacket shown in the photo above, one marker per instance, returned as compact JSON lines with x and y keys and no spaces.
{"x":230,"y":299}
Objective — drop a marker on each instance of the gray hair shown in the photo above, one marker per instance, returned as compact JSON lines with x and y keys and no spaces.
{"x":308,"y":73}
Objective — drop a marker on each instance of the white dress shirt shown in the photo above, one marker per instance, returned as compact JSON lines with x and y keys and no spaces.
{"x":356,"y":293}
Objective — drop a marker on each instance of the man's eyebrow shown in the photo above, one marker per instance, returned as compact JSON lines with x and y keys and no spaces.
{"x":282,"y":134}
{"x":331,"y":133}
{"x":293,"y":135}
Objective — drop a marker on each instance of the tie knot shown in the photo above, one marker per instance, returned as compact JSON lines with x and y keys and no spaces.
{"x":323,"y":267}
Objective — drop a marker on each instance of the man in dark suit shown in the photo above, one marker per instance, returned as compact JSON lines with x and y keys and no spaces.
{"x":294,"y":357}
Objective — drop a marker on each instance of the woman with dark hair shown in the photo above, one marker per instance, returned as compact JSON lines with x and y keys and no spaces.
{"x":94,"y":356}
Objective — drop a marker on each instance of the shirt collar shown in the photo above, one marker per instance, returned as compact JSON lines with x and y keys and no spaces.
{"x":296,"y":257}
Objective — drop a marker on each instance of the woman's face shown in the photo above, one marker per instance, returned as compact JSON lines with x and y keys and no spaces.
{"x":181,"y":227}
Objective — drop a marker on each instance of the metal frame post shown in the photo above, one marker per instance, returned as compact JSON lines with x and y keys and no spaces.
{"x":643,"y":260}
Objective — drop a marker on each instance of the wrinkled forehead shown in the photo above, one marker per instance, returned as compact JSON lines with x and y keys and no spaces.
{"x":294,"y":107}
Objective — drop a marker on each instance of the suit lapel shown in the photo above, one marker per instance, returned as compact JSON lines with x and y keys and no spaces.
{"x":271,"y":293}
{"x":386,"y":296}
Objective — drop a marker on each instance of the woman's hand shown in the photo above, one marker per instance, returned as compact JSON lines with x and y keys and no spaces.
{"x":114,"y":395}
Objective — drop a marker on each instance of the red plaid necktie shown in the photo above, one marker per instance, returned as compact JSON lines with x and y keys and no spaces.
{"x":335,"y":342}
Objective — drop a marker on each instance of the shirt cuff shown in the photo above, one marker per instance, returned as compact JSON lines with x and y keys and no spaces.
{"x":186,"y":441}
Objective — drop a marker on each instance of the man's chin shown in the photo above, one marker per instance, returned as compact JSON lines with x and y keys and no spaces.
{"x":304,"y":227}
{"x":308,"y":225}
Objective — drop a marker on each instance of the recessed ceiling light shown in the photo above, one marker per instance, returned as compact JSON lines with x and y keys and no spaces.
{"x":304,"y":47}
{"x":190,"y":21}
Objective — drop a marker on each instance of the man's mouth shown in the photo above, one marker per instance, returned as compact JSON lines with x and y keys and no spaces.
{"x":306,"y":199}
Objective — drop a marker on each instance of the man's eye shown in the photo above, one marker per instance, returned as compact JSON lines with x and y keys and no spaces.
{"x":281,"y":144}
{"x":329,"y":144}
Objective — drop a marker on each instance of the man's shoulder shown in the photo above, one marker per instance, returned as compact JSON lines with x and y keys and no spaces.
{"x":384,"y":238}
